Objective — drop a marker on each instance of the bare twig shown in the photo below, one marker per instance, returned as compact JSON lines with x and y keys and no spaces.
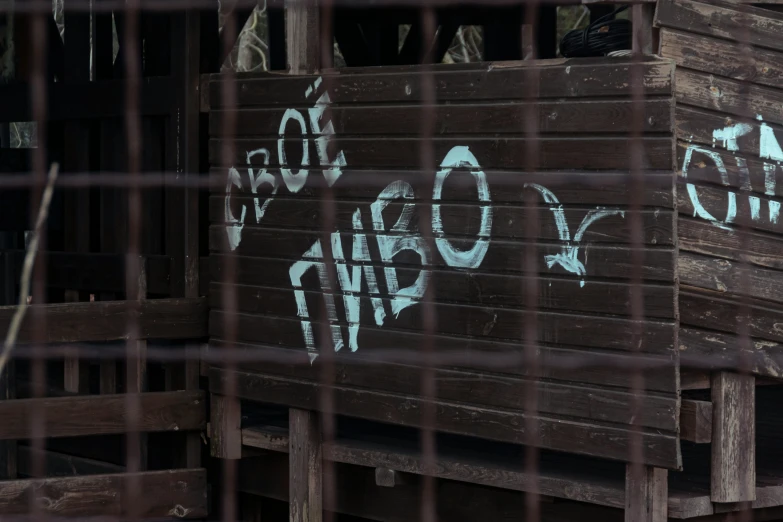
{"x":27,"y":270}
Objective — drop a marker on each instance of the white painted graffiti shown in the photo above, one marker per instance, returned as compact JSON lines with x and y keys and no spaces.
{"x":391,"y":239}
{"x":568,"y":257}
{"x":769,"y":149}
{"x":293,"y":179}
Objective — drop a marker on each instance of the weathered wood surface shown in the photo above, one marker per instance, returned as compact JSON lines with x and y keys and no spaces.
{"x":161,"y":494}
{"x":103,"y":414}
{"x":696,"y":421}
{"x":108,"y":320}
{"x":596,"y":439}
{"x":728,"y":89}
{"x":733,"y":470}
{"x":344,"y":149}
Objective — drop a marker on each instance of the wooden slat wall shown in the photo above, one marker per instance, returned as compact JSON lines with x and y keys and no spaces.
{"x":476,"y":272}
{"x":729,"y":126}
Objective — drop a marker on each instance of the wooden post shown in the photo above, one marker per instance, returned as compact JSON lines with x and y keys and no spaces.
{"x":642,"y":17}
{"x":733,"y":438}
{"x":304,"y":467}
{"x":303,"y":34}
{"x":225,"y":425}
{"x":76,"y":159}
{"x":646,"y":494}
{"x":137,"y":364}
{"x":303,"y":26}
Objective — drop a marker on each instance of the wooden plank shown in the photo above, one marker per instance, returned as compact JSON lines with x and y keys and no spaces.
{"x":225,"y":427}
{"x":615,"y":262}
{"x":726,"y":20}
{"x":710,"y":350}
{"x":729,"y":277}
{"x":555,"y":152}
{"x":107,"y":320}
{"x":485,"y":389}
{"x":305,"y":467}
{"x":733,"y":475}
{"x":699,"y":126}
{"x":715,"y":201}
{"x":496,"y":322}
{"x":460,"y":219}
{"x":569,"y":116}
{"x":179,"y":493}
{"x":739,"y":98}
{"x":721,"y":57}
{"x":477,"y":289}
{"x":646,"y":494}
{"x":563,"y":78}
{"x":705,"y":238}
{"x":576,"y":187}
{"x":103,"y":414}
{"x":715,"y":311}
{"x":696,"y":421}
{"x":564,"y":482}
{"x":563,"y":435}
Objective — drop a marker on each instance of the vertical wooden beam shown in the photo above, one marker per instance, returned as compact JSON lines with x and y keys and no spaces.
{"x":305,"y":467}
{"x":303,"y":36}
{"x":183,"y":209}
{"x":646,"y":494}
{"x":642,"y":16}
{"x":733,"y":438}
{"x":137,"y":365}
{"x":225,"y":424}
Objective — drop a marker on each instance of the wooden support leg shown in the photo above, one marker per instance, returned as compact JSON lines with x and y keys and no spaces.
{"x":646,"y":494}
{"x":137,"y":366}
{"x":305,"y":467}
{"x":642,"y":16}
{"x":225,"y":427}
{"x":733,"y":438}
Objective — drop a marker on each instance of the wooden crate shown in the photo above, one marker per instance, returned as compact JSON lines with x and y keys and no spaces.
{"x":267,"y":220}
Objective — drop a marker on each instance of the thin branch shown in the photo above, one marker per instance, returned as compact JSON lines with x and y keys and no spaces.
{"x":27,"y":270}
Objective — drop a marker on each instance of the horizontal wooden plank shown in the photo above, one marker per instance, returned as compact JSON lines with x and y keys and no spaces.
{"x":568,"y":116}
{"x":599,"y":261}
{"x":108,"y":320}
{"x":510,"y":153}
{"x":562,"y":78}
{"x":739,"y":98}
{"x":706,"y":165}
{"x":549,"y":479}
{"x":727,"y":20}
{"x":574,"y":437}
{"x":477,"y":288}
{"x":730,"y":277}
{"x":738,"y":207}
{"x":576,"y":366}
{"x":95,"y":272}
{"x":456,"y":501}
{"x":716,"y":311}
{"x":715,"y":351}
{"x":507,"y":222}
{"x":696,"y":421}
{"x":721,"y":57}
{"x":580,"y":188}
{"x":475,"y":389}
{"x":703,"y":237}
{"x":262,"y":309}
{"x":161,"y":494}
{"x":741,"y":135}
{"x":103,"y":414}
